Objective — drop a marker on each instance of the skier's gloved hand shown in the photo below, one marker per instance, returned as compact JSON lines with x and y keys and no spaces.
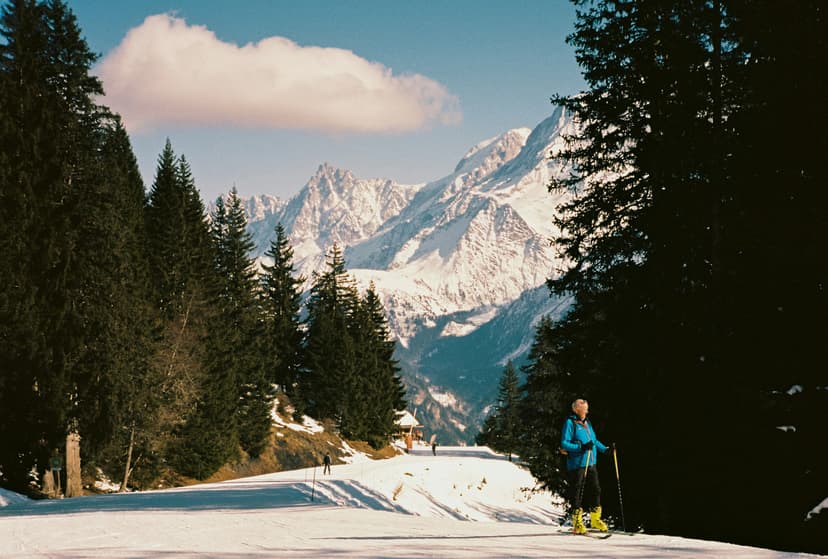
{"x":587,"y":446}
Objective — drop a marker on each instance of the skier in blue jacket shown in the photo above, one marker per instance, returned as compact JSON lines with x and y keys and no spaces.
{"x":579,"y":442}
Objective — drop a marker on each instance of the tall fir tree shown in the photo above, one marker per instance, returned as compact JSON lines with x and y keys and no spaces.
{"x":24,"y":118}
{"x":125,"y":425}
{"x":198,"y":428}
{"x":113,"y":297}
{"x":281,"y":307}
{"x":502,"y":427}
{"x":178,"y":241}
{"x":239,"y":326}
{"x":666,"y":244}
{"x":330,"y":365}
{"x":209,"y":436}
{"x":378,"y":393}
{"x":51,"y":136}
{"x":644,"y":229}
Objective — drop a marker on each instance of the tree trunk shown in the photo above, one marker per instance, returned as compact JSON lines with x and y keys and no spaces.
{"x":49,"y":487}
{"x":128,"y":460}
{"x":74,"y":487}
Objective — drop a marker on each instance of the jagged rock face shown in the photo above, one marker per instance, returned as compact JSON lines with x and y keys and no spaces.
{"x":452,"y":259}
{"x":336,"y":207}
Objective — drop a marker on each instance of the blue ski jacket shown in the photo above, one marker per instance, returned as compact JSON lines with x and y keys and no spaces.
{"x":573,"y":435}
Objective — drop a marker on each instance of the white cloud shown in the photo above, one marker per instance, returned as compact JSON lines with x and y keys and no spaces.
{"x":166,"y":71}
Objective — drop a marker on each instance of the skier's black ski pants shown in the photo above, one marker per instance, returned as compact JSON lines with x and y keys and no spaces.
{"x":588,"y":493}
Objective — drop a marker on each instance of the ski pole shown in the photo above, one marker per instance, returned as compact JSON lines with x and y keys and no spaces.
{"x":313,"y":487}
{"x":583,"y":480}
{"x":618,"y":479}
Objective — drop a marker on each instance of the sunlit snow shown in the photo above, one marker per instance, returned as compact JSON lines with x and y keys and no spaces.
{"x":463,"y":502}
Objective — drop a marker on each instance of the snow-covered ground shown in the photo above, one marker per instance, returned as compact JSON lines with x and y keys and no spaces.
{"x":464,"y":502}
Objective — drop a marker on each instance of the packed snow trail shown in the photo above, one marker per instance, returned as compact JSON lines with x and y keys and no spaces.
{"x":411,"y":506}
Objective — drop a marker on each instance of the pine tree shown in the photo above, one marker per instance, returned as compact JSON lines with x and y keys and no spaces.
{"x":178,"y":241}
{"x":644,"y":229}
{"x":162,"y":207}
{"x":23,"y":115}
{"x":199,"y":392}
{"x":669,"y":233}
{"x":562,"y":367}
{"x":501,"y":429}
{"x":281,"y":306}
{"x":542,"y":410}
{"x":50,"y":133}
{"x":124,"y":423}
{"x":379,"y":392}
{"x":488,"y":432}
{"x":330,"y":364}
{"x":240,"y":325}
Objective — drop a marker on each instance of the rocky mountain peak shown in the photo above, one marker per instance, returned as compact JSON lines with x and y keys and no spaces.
{"x":329,"y":177}
{"x":453,"y":260}
{"x":487,"y":156}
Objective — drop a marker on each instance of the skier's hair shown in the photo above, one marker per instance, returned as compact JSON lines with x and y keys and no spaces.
{"x":577,"y":403}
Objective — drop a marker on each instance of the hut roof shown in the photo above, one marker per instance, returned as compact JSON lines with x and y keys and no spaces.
{"x":407,"y":420}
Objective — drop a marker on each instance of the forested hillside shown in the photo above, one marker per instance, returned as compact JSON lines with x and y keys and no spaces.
{"x":132,"y":318}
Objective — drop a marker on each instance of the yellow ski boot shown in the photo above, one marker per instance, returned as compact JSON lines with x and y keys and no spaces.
{"x":595,"y":521}
{"x":578,"y":526}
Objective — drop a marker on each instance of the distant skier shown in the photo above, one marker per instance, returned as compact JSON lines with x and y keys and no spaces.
{"x":580,"y":444}
{"x":327,"y":464}
{"x":434,"y":448}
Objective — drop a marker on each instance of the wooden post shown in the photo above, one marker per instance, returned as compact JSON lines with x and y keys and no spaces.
{"x":49,"y":483}
{"x":74,"y":488}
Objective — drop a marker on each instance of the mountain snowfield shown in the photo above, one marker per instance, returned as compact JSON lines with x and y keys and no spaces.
{"x":474,"y":240}
{"x":464,"y":502}
{"x":456,"y":261}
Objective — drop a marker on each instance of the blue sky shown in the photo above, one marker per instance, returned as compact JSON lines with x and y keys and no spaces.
{"x":481,"y":68}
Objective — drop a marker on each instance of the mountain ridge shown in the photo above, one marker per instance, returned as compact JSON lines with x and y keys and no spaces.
{"x":450,"y":258}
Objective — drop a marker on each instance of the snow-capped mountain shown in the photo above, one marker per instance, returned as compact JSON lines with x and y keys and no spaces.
{"x":260,"y":211}
{"x":336,"y":207}
{"x":460,"y":262}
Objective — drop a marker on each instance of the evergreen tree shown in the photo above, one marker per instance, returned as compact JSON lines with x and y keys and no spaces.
{"x":176,"y":235}
{"x":488,"y":432}
{"x":563,"y":367}
{"x":239,"y":325}
{"x":198,"y":432}
{"x":644,"y":232}
{"x":330,"y":371}
{"x":119,"y":320}
{"x":542,"y":409}
{"x":668,"y":237}
{"x":23,"y":112}
{"x":132,"y":409}
{"x":50,"y":135}
{"x":210,"y":436}
{"x":378,"y":393}
{"x":281,"y":307}
{"x":501,"y":429}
